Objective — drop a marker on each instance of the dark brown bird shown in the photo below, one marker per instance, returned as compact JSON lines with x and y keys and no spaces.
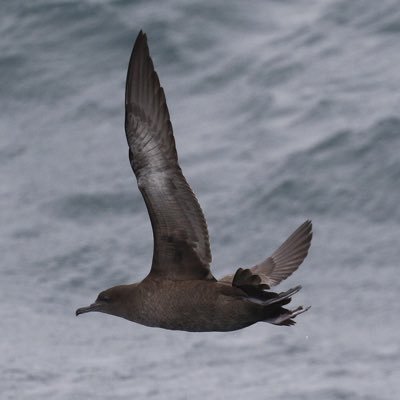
{"x":180,"y":291}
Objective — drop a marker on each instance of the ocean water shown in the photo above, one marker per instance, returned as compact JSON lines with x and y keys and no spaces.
{"x":282,"y":111}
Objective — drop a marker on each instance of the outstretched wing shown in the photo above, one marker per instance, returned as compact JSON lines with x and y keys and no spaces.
{"x":283,"y":262}
{"x":181,"y":243}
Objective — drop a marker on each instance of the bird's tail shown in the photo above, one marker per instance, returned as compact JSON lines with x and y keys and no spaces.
{"x":282,"y":316}
{"x":273,"y":310}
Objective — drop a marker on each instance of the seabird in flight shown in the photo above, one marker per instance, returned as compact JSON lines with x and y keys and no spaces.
{"x":180,"y":292}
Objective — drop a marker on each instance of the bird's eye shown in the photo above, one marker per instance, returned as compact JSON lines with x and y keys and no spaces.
{"x":103,"y":297}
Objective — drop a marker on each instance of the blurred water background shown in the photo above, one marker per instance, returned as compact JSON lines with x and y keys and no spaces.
{"x":282,"y":111}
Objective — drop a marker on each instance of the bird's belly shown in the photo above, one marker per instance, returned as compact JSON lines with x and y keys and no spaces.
{"x":195,"y":307}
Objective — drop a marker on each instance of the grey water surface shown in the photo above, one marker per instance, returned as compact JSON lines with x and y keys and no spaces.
{"x":282,"y":111}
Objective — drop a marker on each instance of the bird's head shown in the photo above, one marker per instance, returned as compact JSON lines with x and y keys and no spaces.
{"x":111,"y":301}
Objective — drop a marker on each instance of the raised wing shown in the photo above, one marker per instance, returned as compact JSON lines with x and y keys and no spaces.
{"x":181,"y":243}
{"x":283,"y":262}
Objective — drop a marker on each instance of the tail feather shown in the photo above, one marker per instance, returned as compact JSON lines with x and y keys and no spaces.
{"x":273,"y":310}
{"x":266,"y":298}
{"x":284,"y":296}
{"x":285,"y":317}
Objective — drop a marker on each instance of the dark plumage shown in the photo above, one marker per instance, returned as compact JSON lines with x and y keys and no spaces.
{"x":180,"y":291}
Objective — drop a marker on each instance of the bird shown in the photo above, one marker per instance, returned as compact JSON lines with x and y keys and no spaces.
{"x":180,"y":292}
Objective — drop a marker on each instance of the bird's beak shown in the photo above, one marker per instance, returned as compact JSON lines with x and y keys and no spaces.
{"x":92,"y":307}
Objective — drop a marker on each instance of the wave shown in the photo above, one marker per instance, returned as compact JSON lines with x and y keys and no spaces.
{"x":352,"y":173}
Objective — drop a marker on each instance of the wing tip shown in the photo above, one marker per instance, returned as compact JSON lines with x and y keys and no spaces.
{"x":140,"y":43}
{"x":141,"y":37}
{"x":307,"y":224}
{"x":140,"y":55}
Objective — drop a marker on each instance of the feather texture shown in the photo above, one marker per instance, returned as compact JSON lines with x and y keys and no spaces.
{"x":181,"y":242}
{"x":282,"y":263}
